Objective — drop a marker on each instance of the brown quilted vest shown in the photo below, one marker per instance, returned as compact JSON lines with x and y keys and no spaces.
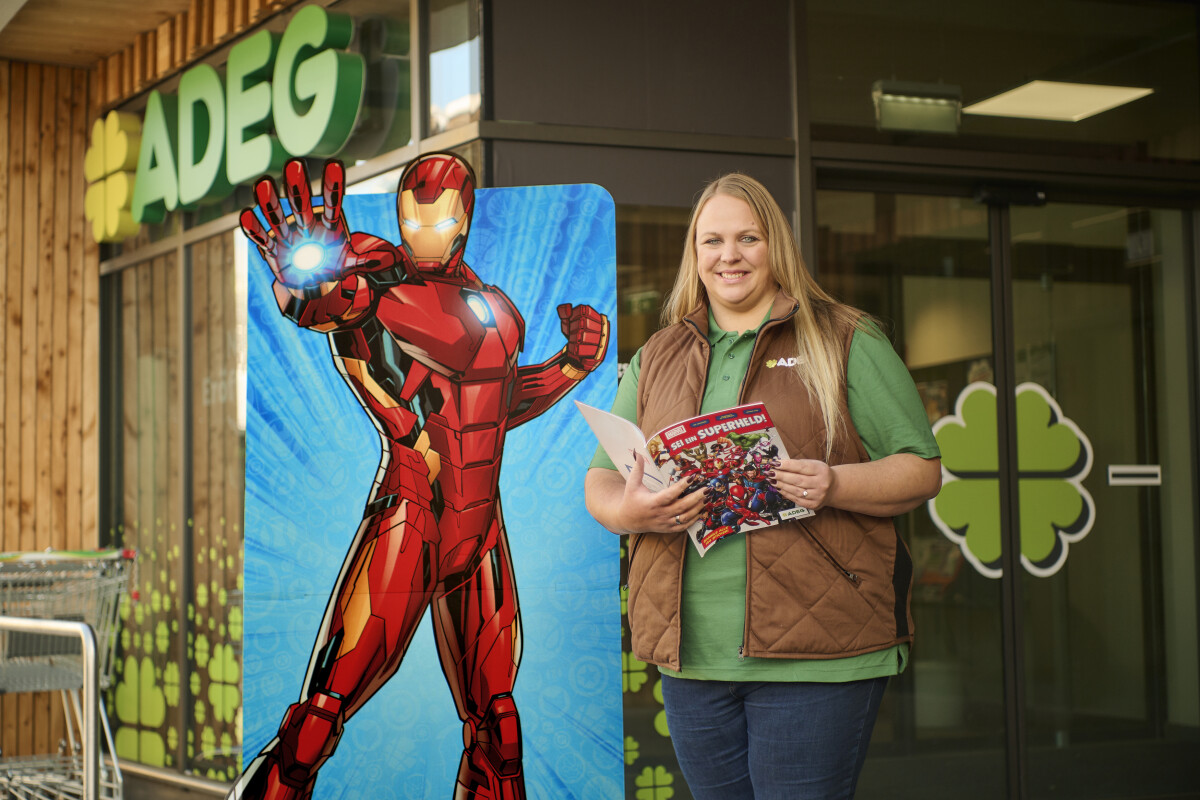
{"x":836,"y":584}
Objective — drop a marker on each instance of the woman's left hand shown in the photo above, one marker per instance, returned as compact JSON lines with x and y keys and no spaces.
{"x":805,"y":481}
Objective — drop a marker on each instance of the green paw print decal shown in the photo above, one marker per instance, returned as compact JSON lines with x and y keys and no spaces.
{"x":108,"y":166}
{"x":1053,"y":458}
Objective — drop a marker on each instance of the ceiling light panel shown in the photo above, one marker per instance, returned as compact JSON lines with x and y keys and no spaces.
{"x":1056,"y":100}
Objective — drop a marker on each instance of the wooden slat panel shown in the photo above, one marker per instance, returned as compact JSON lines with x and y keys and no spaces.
{"x":44,"y":116}
{"x":28,"y":357}
{"x":43,"y":352}
{"x":195,"y":23}
{"x":14,"y":308}
{"x":14,"y":164}
{"x":241,"y":14}
{"x":89,"y":344}
{"x":164,"y":52}
{"x":78,"y":34}
{"x":128,"y":70}
{"x":73,"y":309}
{"x":180,"y":48}
{"x":59,"y":379}
{"x":222,"y":19}
{"x":29,"y":299}
{"x":139,"y":61}
{"x":43,"y":518}
{"x":5,"y":117}
{"x":112,"y":77}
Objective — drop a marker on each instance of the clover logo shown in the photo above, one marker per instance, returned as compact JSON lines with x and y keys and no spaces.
{"x":633,"y":673}
{"x":654,"y":783}
{"x":224,"y":674}
{"x":139,"y":701}
{"x":107,"y":166}
{"x":1053,"y":458}
{"x":632,"y":750}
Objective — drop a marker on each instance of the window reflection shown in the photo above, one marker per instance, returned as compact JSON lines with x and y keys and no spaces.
{"x":454,"y":63}
{"x":987,"y":49}
{"x":649,"y":245}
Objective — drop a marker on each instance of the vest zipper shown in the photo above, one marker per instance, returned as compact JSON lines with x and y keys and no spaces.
{"x":636,"y":543}
{"x":847,"y":574}
{"x":770,"y":323}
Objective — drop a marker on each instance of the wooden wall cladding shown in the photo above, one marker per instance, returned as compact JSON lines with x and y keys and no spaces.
{"x":159,"y":53}
{"x":49,"y":342}
{"x":50,"y":291}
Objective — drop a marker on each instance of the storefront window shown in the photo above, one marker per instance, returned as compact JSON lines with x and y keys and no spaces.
{"x":454,"y":63}
{"x":649,"y":245}
{"x":980,"y":50}
{"x":177,"y":372}
{"x":146,"y":510}
{"x":217,"y":491}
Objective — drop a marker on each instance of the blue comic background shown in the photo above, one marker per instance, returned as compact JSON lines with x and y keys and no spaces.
{"x":311,"y":455}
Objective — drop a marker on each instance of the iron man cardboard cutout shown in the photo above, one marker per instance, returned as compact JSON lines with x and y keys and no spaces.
{"x":430,"y":611}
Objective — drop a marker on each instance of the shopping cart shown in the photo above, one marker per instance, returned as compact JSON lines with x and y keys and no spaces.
{"x":79,"y":587}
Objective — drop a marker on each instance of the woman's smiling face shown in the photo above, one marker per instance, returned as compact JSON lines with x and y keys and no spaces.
{"x":733,"y":263}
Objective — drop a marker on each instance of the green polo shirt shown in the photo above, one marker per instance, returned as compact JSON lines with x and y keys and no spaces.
{"x":887,"y":413}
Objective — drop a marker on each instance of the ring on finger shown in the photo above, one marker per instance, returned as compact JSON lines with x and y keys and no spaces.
{"x":804,"y":493}
{"x":678,"y":521}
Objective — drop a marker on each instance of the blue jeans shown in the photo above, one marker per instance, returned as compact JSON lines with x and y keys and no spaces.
{"x":771,"y":741}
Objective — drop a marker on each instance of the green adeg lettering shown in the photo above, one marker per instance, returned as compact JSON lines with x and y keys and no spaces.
{"x":215,"y":135}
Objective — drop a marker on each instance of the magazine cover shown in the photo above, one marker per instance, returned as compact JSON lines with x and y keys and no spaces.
{"x":732,"y":450}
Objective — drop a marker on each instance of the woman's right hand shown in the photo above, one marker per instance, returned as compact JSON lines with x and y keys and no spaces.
{"x":627,"y":506}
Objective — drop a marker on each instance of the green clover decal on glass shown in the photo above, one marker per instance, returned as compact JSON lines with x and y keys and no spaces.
{"x":654,"y":783}
{"x":1053,"y":458}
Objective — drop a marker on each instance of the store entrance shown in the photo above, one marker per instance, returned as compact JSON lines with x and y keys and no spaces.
{"x":1055,"y":584}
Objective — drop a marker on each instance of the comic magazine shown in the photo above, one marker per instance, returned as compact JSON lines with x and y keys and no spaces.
{"x":732,"y":451}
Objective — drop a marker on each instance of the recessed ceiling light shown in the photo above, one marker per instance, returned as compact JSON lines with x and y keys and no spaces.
{"x":1056,"y":100}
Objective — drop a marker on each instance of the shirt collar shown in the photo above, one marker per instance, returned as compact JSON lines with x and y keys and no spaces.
{"x":716,"y":333}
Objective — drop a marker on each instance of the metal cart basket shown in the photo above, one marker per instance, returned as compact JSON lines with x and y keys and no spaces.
{"x":44,"y":596}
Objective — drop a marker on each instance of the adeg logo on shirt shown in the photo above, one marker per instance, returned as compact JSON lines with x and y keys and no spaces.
{"x":781,"y":362}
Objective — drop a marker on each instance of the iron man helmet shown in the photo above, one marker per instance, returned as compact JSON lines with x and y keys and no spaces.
{"x":434,"y":204}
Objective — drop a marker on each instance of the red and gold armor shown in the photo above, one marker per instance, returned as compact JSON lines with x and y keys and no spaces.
{"x":430,"y":351}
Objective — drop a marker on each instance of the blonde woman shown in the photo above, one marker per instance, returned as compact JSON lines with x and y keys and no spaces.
{"x":775,"y":647}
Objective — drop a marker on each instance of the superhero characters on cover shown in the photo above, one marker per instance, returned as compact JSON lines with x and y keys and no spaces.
{"x":430,"y":351}
{"x":736,"y":483}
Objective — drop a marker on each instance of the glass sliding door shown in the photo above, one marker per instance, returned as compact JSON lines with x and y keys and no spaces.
{"x":920,"y":264}
{"x":1103,"y":680}
{"x":1105,"y":481}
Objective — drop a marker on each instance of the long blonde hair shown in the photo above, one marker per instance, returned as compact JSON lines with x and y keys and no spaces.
{"x":817,"y":320}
